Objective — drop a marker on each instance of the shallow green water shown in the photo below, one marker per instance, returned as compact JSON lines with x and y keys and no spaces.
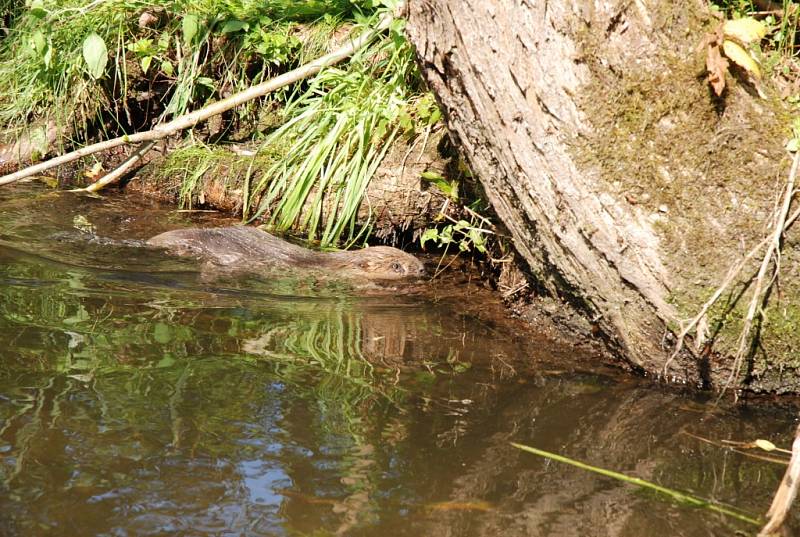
{"x":138,"y":398}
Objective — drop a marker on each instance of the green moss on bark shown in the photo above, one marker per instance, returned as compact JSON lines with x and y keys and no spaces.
{"x":705,"y":172}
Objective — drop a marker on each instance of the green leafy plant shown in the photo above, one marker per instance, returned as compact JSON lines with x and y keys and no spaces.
{"x":461,"y":233}
{"x":338,"y":132}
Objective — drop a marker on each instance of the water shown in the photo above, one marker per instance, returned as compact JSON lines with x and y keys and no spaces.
{"x":139,"y":398}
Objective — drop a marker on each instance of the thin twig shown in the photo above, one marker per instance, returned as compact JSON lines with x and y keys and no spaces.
{"x":120,"y":170}
{"x":190,"y":120}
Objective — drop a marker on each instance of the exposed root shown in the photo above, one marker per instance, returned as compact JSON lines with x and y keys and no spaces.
{"x":763,"y":284}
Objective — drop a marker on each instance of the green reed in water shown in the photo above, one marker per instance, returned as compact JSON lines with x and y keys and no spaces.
{"x":681,"y":497}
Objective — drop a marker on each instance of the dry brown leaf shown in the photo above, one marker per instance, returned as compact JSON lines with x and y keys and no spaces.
{"x":717,"y":66}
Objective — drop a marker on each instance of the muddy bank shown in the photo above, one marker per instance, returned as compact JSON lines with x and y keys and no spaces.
{"x":398,"y":204}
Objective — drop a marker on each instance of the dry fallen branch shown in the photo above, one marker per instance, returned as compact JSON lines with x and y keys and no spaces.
{"x":786,"y":493}
{"x":120,"y":170}
{"x":782,"y":223}
{"x":190,"y":120}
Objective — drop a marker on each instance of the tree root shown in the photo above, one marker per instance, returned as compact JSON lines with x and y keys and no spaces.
{"x":782,"y":221}
{"x":762,"y":287}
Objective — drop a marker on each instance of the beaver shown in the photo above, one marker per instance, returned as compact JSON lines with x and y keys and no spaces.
{"x":250,"y":249}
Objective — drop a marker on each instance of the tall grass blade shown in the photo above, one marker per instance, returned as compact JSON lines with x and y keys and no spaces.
{"x":678,"y":496}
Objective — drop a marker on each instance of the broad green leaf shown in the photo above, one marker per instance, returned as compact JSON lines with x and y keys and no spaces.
{"x":190,"y":27}
{"x":95,"y":54}
{"x":166,"y":68}
{"x":745,"y":30}
{"x":166,"y":361}
{"x":477,"y":239}
{"x":232,"y":26}
{"x":429,"y":234}
{"x":48,"y":56}
{"x":37,"y":9}
{"x":741,"y":57}
{"x":39,"y":42}
{"x":162,"y":333}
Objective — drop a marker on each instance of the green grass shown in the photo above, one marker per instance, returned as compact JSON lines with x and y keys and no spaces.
{"x":338,"y":131}
{"x":199,"y":50}
{"x":675,"y":495}
{"x":336,"y":128}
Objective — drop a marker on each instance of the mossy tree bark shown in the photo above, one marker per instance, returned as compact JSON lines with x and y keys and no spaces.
{"x":593,"y":131}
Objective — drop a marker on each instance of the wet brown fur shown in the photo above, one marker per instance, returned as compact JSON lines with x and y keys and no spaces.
{"x":249,"y":248}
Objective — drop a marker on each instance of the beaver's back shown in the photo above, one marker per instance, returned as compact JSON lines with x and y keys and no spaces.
{"x":231,"y":246}
{"x":251,"y":249}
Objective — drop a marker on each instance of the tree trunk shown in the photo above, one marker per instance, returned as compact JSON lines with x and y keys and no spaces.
{"x":626,"y":186}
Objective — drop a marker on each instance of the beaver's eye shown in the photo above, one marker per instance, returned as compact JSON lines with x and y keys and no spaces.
{"x":397,"y":267}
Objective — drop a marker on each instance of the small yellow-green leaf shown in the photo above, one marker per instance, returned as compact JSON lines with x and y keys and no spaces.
{"x":766,"y":445}
{"x":741,"y":57}
{"x":429,"y":234}
{"x":793,"y":145}
{"x":39,"y":42}
{"x":430,"y":175}
{"x":746,"y":30}
{"x":146,"y":63}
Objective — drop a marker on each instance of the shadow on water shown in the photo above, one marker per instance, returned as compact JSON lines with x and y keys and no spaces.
{"x":137,"y":399}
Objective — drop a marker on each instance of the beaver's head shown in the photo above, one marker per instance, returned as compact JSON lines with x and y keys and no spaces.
{"x":382,"y":263}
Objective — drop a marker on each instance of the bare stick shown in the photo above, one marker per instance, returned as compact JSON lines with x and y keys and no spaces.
{"x":760,"y":291}
{"x":786,"y":493}
{"x":736,"y":268}
{"x":120,"y":170}
{"x":190,"y":120}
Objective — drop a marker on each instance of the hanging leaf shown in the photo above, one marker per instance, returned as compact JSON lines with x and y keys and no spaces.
{"x":745,"y":30}
{"x":741,"y":57}
{"x":95,"y":54}
{"x":430,"y":234}
{"x":190,"y":26}
{"x":145,"y":63}
{"x":39,"y":42}
{"x":717,"y":66}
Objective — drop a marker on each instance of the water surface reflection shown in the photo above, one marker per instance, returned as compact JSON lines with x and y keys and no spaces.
{"x":138,"y":399}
